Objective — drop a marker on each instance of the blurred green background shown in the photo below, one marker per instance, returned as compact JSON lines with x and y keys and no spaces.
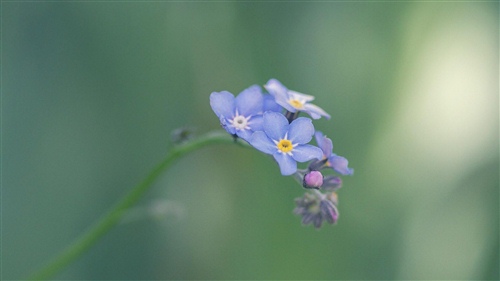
{"x":91,"y":92}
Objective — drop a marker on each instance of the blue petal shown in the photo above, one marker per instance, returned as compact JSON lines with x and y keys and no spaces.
{"x":300,"y":96}
{"x":223,"y":122}
{"x":250,"y":101}
{"x":301,"y":130}
{"x":260,"y":141}
{"x":324,"y":143}
{"x":275,"y":125}
{"x":315,"y":111}
{"x":275,"y":88}
{"x":280,"y":93}
{"x":222,"y":103}
{"x":306,"y":152}
{"x":244,"y":134}
{"x":256,"y":123}
{"x":287,"y":164}
{"x":339,"y":164}
{"x":286,"y":105}
{"x":319,"y":138}
{"x":271,"y":105}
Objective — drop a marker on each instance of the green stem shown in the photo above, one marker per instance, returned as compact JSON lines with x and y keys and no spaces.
{"x":107,"y":221}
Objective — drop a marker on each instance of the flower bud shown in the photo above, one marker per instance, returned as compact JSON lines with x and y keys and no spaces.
{"x":317,"y":165}
{"x":331,"y":183}
{"x":313,"y":179}
{"x":329,"y":211}
{"x":316,"y":208}
{"x":333,"y":197}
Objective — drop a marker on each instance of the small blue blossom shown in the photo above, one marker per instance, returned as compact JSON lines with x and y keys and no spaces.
{"x":287,"y":143}
{"x":294,"y":101}
{"x":242,"y":115}
{"x":332,"y":160}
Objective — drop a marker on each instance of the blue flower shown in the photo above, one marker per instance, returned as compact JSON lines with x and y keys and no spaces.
{"x":242,"y":115}
{"x":294,"y":101}
{"x":287,"y":143}
{"x":332,"y":160}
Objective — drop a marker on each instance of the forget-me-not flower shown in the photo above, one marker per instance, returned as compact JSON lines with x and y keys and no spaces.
{"x":287,"y":143}
{"x":330,"y":159}
{"x":294,"y":101}
{"x":242,"y":115}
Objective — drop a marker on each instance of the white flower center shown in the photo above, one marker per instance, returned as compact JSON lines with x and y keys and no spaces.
{"x":240,"y":122}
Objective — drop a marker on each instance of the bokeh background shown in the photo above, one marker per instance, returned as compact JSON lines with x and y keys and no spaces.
{"x":91,"y":92}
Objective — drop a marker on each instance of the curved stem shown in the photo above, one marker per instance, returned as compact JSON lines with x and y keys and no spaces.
{"x":110,"y":219}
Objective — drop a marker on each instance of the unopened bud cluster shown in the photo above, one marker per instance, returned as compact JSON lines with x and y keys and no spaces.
{"x":315,"y":208}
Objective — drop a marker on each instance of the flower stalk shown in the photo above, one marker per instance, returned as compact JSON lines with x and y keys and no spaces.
{"x":110,"y":219}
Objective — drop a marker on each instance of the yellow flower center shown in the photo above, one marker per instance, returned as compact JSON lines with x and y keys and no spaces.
{"x":285,"y":146}
{"x":296,"y":103}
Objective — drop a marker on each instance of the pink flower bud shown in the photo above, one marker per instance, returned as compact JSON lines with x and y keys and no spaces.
{"x":313,"y":179}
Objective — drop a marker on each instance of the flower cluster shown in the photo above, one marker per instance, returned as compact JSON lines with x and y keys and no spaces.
{"x":270,"y":122}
